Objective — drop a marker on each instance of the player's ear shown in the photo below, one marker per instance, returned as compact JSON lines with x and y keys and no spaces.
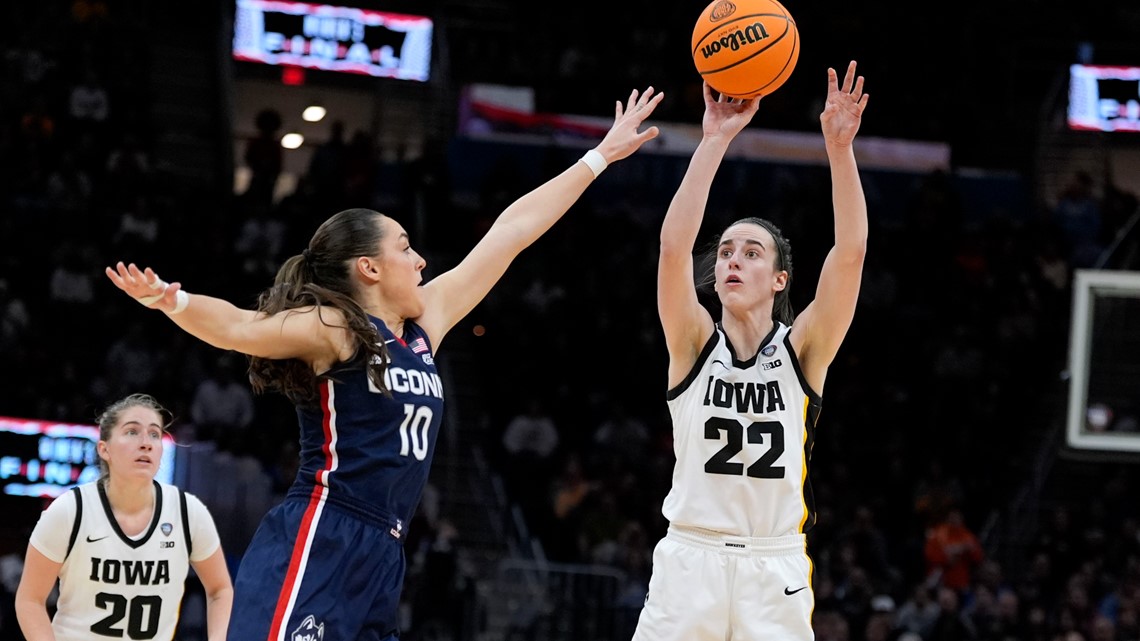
{"x":368,"y":268}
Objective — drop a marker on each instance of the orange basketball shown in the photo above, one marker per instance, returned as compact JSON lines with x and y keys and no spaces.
{"x":745,"y":48}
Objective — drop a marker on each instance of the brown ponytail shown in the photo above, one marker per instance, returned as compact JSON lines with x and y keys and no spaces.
{"x":321,"y":276}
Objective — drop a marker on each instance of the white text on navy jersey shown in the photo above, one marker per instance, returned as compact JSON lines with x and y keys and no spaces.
{"x":413,"y":381}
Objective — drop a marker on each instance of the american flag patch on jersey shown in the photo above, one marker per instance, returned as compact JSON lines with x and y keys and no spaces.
{"x":418,"y":346}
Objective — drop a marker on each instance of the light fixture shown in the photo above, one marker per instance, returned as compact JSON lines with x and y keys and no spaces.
{"x":313,"y":113}
{"x":292,"y":141}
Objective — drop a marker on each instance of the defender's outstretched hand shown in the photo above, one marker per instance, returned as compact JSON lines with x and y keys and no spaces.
{"x":145,"y":286}
{"x":844,"y":109}
{"x":623,"y":137}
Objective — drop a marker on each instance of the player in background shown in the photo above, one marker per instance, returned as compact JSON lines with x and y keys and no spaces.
{"x":122,"y":546}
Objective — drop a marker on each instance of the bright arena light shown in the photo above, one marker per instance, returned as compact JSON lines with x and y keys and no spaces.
{"x":292,"y":141}
{"x":313,"y":113}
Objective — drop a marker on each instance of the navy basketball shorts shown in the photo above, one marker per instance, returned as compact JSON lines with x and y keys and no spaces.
{"x":317,"y":570}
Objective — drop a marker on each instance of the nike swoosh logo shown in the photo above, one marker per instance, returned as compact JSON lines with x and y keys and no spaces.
{"x":91,"y":540}
{"x":791,"y":592}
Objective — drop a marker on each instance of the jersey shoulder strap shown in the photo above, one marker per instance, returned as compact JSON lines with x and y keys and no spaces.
{"x":185,"y":522}
{"x":78,"y":518}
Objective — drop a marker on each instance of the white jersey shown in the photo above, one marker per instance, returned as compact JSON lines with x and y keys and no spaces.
{"x":115,"y":586}
{"x":742,"y":433}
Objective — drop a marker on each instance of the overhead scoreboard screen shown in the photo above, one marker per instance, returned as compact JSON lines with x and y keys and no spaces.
{"x":44,"y":459}
{"x":333,"y":38}
{"x":1104,"y":98}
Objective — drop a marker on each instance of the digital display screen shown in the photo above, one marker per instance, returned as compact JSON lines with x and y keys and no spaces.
{"x":333,"y":38}
{"x":47,"y":458}
{"x":1104,"y":98}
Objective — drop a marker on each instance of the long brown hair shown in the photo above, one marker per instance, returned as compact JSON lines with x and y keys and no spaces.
{"x":321,"y":275}
{"x":705,"y":272}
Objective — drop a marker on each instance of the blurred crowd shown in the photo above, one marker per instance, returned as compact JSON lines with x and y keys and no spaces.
{"x":948,"y":384}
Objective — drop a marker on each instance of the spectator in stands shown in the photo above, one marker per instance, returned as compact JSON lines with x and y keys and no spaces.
{"x":264,"y":158}
{"x":952,"y":553}
{"x":138,"y":227}
{"x":72,"y":288}
{"x":132,"y":362}
{"x":361,"y":161}
{"x":868,"y":545}
{"x":326,"y":167}
{"x":260,"y":242}
{"x":951,"y":624}
{"x":1118,"y":210}
{"x":918,"y":613}
{"x":935,"y":493}
{"x":1078,"y":215}
{"x":529,"y":443}
{"x":222,"y":406}
{"x":438,"y":599}
{"x":569,"y":494}
{"x":622,"y":437}
{"x":69,"y":190}
{"x":127,"y":171}
{"x":14,"y":318}
{"x":880,"y":624}
{"x":89,"y":105}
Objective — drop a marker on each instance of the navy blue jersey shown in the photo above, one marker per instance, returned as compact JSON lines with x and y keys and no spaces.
{"x":366,"y":451}
{"x":332,"y":551}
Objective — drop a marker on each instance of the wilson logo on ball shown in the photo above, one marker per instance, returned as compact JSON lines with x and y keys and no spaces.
{"x":721,"y":10}
{"x":734,"y":41}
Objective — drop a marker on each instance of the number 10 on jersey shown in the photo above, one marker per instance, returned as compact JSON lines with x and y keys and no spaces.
{"x":414,"y":431}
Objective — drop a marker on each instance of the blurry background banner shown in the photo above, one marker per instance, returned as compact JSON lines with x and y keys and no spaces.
{"x":333,"y":38}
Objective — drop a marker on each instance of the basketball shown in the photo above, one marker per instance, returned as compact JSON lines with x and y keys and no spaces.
{"x":745,"y":48}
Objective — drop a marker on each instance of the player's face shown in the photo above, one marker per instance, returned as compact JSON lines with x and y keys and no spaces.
{"x":134,"y":449}
{"x":402,"y":270}
{"x":746,"y":273}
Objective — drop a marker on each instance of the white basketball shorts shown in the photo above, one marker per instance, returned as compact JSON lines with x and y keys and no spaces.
{"x":708,"y":586}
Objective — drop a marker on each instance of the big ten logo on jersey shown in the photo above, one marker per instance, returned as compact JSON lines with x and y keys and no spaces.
{"x":115,"y":571}
{"x":759,"y":397}
{"x":166,"y":530}
{"x":309,"y":630}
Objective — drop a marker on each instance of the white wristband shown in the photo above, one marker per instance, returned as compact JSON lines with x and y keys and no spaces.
{"x":595,"y":161}
{"x":181,"y":300}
